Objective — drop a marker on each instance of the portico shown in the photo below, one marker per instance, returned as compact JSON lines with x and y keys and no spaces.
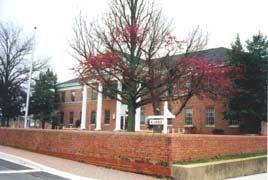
{"x":120,"y":114}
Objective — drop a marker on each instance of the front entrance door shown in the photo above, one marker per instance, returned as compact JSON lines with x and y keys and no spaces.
{"x":123,"y":122}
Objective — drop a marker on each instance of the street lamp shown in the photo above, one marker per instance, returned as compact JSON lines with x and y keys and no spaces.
{"x":29,"y":81}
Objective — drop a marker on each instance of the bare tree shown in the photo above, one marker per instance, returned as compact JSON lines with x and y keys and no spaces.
{"x":84,"y":43}
{"x":14,"y":68}
{"x":134,"y":45}
{"x":134,"y":32}
{"x":196,"y":41}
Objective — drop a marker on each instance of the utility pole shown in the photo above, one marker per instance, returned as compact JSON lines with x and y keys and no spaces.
{"x":29,"y":82}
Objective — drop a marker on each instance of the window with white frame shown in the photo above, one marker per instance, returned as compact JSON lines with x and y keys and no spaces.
{"x":143,"y":116}
{"x":187,"y":87}
{"x":169,"y":120}
{"x":62,"y":97}
{"x":210,"y":116}
{"x":72,"y":96}
{"x":234,"y":122}
{"x":61,"y":117}
{"x":107,"y":117}
{"x":94,"y":94}
{"x":71,"y":117}
{"x":93,"y":117}
{"x":188,"y":116}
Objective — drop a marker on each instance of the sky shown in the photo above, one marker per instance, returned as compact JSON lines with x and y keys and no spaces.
{"x":221,"y":19}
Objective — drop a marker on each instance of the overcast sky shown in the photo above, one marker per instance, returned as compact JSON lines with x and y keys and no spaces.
{"x":222,"y":19}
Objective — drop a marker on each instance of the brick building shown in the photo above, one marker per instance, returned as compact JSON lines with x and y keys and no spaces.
{"x":103,"y":113}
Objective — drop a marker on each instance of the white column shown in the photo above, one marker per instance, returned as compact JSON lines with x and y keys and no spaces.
{"x":138,"y":118}
{"x":165,"y":117}
{"x":84,"y":108}
{"x":99,"y":108}
{"x":138,"y":115}
{"x":118,"y":108}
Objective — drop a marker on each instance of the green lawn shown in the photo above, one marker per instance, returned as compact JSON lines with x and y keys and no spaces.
{"x":228,"y":157}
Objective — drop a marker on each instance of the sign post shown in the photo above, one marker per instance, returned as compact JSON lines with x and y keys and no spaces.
{"x":161,"y":119}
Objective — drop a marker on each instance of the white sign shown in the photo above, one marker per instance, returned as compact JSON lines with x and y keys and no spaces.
{"x":156,"y":122}
{"x":161,"y":119}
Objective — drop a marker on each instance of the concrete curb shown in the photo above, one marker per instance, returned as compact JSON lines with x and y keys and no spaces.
{"x":221,"y":169}
{"x":34,"y":165}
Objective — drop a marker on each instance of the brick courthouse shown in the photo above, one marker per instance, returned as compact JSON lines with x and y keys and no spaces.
{"x":99,"y":112}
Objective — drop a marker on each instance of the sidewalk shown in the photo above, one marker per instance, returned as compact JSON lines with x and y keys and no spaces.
{"x":73,"y":167}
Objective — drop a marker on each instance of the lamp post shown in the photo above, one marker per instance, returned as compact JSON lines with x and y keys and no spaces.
{"x":29,"y":82}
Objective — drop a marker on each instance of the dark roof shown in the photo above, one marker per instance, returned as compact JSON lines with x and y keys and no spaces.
{"x":220,"y":53}
{"x":213,"y":54}
{"x":75,"y":80}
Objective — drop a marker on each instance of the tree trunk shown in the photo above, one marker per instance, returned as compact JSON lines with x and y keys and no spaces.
{"x":7,"y":122}
{"x":43,"y":122}
{"x":131,"y":116}
{"x":156,"y":107}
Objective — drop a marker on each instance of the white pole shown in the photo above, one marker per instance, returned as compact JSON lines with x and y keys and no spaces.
{"x":29,"y":81}
{"x":99,"y":108}
{"x":84,"y":108}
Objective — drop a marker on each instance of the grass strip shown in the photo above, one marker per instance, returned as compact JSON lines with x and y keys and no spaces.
{"x":220,"y":158}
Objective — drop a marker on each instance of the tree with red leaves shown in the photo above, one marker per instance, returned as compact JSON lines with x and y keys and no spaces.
{"x":134,"y":46}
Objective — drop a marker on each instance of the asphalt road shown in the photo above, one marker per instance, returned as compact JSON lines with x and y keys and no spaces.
{"x":13,"y":171}
{"x":16,"y":169}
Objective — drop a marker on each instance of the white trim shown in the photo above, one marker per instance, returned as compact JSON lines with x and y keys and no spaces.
{"x":210,"y":126}
{"x":70,"y":88}
{"x":189,"y":125}
{"x":68,"y":84}
{"x":234,"y":126}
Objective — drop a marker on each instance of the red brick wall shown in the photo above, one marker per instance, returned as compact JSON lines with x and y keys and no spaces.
{"x":136,"y":152}
{"x":188,"y":147}
{"x":143,"y":153}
